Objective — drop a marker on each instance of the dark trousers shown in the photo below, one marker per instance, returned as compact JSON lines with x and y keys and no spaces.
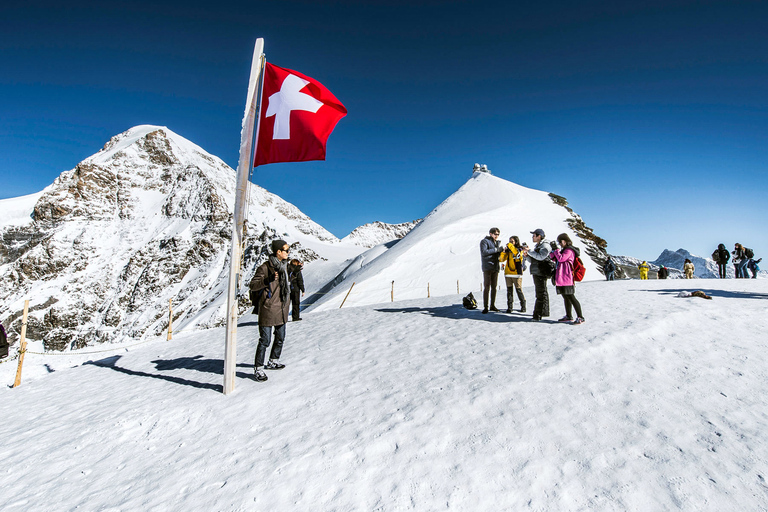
{"x":265,"y":338}
{"x":541,"y":308}
{"x":722,"y":267}
{"x":609,"y":276}
{"x":571,"y":303}
{"x":490,"y":282}
{"x":295,"y":303}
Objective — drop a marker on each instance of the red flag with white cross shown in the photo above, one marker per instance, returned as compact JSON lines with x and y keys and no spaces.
{"x":298,"y":114}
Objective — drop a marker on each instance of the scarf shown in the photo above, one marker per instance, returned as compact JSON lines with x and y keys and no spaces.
{"x":282,"y":268}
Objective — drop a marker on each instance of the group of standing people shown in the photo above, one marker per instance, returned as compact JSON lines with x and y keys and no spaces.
{"x":742,"y":259}
{"x":515,"y":257}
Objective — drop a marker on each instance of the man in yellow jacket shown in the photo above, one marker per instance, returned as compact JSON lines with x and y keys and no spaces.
{"x":513,"y":272}
{"x":644,"y":268}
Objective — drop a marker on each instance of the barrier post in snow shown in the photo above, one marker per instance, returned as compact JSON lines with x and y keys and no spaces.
{"x":347,"y":295}
{"x":170,"y":319}
{"x":22,"y":344}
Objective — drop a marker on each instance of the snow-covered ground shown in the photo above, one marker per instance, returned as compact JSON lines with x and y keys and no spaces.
{"x":656,"y":403}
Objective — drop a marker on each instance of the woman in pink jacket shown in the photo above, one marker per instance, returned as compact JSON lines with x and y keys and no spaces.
{"x":565,"y":254}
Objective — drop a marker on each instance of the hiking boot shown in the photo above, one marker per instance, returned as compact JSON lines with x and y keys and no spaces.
{"x":508,"y":310}
{"x":566,"y":319}
{"x":522,"y":307}
{"x":260,"y":376}
{"x":274,"y":365}
{"x":485,"y":311}
{"x":579,"y":321}
{"x":494,"y":308}
{"x":297,"y":319}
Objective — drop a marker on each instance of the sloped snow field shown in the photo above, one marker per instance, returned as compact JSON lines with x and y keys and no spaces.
{"x":656,"y":403}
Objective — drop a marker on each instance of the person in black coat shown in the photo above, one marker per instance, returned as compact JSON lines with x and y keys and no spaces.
{"x":609,"y":269}
{"x":663,"y":272}
{"x":297,"y":287}
{"x":721,"y":257}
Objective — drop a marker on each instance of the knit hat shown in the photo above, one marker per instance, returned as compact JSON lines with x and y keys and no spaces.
{"x":278,"y":245}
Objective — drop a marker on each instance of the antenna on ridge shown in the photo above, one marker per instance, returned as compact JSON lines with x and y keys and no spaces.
{"x":481,"y":168}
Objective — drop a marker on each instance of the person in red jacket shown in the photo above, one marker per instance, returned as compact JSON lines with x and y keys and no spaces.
{"x":565,"y":254}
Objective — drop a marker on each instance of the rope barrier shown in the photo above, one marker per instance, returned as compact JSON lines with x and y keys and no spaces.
{"x":88,"y":353}
{"x":8,"y":360}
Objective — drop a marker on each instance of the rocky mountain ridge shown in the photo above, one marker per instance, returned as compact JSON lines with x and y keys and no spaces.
{"x":102,"y":250}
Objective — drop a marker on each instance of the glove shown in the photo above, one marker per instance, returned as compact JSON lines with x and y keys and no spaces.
{"x":553,"y":245}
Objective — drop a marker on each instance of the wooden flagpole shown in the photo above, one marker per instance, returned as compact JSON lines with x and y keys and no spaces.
{"x":245,"y":164}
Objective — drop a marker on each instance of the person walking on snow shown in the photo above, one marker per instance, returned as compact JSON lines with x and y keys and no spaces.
{"x":297,"y":288}
{"x":489,"y":259}
{"x":536,"y":255}
{"x":271,"y":283}
{"x":644,"y":268}
{"x":565,"y":255}
{"x":513,"y":272}
{"x":688,"y":269}
{"x":721,"y":257}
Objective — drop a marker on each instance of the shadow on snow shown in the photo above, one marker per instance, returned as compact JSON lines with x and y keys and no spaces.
{"x":196,"y":363}
{"x":458,"y":312}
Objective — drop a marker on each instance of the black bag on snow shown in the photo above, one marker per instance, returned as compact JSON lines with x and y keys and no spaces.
{"x":749,"y":253}
{"x":469,"y":301}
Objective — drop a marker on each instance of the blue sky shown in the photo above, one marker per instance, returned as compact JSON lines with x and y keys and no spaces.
{"x":650,"y":117}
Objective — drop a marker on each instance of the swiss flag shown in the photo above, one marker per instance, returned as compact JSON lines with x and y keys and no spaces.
{"x":297,"y":115}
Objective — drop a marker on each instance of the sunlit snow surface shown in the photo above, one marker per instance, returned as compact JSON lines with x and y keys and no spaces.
{"x":656,"y":403}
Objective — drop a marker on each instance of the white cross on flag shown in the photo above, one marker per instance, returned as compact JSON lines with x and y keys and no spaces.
{"x":299,"y":117}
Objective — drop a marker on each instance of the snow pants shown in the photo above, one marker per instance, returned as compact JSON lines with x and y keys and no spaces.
{"x":541,"y":307}
{"x":722,"y":270}
{"x":295,"y":303}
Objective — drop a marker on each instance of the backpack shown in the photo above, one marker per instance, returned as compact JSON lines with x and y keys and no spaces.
{"x":578,"y":269}
{"x":547,"y":267}
{"x":469,"y":301}
{"x":716,"y":256}
{"x":749,"y":253}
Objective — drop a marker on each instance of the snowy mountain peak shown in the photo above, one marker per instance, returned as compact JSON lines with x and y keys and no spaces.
{"x":147,"y":219}
{"x":441,"y":256}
